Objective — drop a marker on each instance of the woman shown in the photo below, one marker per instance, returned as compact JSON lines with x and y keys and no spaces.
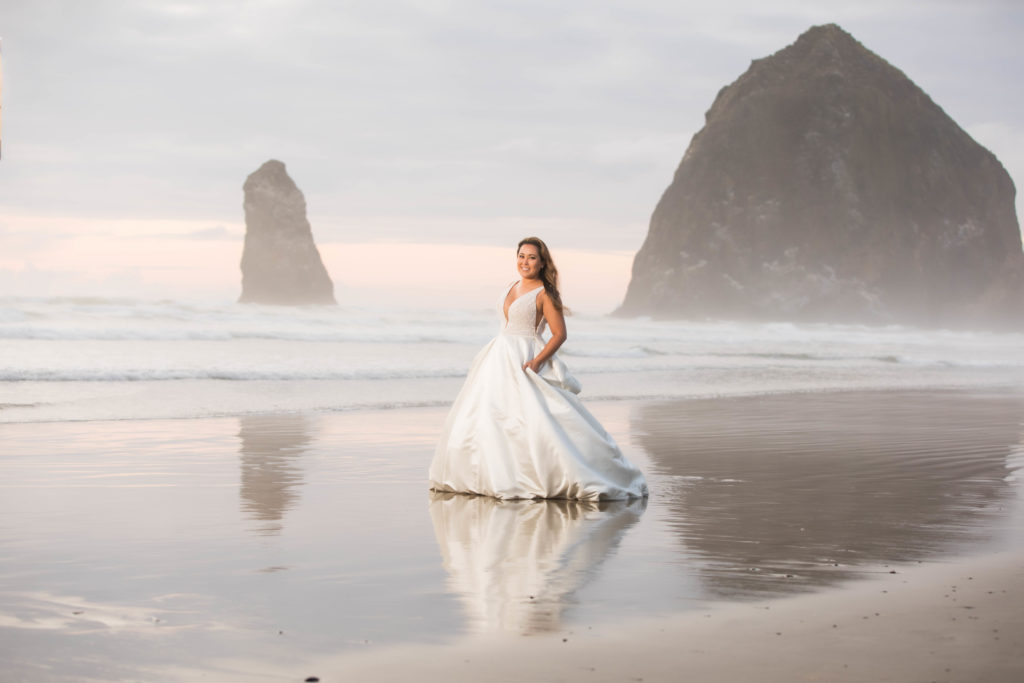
{"x":517,"y":429}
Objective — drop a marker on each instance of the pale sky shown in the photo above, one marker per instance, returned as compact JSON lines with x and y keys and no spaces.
{"x":427,"y":135}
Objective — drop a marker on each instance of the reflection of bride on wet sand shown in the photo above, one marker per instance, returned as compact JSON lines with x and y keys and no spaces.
{"x":516,"y":563}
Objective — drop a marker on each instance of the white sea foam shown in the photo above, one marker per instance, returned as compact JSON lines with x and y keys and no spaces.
{"x":67,"y":358}
{"x":167,"y":374}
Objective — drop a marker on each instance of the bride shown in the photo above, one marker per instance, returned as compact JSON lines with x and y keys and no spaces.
{"x":516,"y":429}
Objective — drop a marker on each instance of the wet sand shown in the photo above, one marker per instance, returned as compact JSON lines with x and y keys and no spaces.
{"x":275,"y":547}
{"x":960,"y":621}
{"x":790,"y":493}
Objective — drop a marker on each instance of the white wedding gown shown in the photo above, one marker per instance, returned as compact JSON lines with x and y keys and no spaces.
{"x":512,"y":433}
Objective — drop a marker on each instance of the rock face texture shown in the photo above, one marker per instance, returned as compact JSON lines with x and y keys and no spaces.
{"x":280,"y":262}
{"x":826,"y":186}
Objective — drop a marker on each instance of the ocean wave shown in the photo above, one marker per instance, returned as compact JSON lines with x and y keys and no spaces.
{"x":606,"y":352}
{"x":414,"y":366}
{"x":243,"y":375}
{"x":113,"y":319}
{"x":814,"y":357}
{"x":372,"y":336}
{"x":649,"y":354}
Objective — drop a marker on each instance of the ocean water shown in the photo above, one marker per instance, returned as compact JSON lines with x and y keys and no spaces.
{"x":88,"y":359}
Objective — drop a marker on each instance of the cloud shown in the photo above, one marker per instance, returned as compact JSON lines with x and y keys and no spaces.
{"x":432,"y":110}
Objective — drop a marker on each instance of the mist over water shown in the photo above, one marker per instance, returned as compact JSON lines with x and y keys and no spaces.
{"x":72,"y":359}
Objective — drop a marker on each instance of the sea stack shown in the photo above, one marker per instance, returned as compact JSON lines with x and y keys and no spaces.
{"x":280,"y":261}
{"x":826,"y":186}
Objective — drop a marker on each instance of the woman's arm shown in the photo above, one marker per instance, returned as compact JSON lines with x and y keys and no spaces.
{"x":556,"y":323}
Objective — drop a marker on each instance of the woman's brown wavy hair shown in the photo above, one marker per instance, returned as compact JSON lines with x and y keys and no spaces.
{"x":548,"y":271}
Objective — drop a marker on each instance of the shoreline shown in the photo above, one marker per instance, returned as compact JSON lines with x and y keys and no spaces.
{"x":1006,"y":388}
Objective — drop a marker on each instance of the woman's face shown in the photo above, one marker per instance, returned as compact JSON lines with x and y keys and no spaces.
{"x":529,"y":262}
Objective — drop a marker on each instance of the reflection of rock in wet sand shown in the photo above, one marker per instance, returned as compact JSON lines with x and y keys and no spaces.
{"x":516,"y":563}
{"x":777,"y":485}
{"x":270,"y":446}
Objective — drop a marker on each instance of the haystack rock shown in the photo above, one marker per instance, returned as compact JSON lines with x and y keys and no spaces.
{"x":826,"y":186}
{"x":280,"y":262}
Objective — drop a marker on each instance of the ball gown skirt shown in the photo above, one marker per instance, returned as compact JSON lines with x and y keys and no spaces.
{"x":517,"y":434}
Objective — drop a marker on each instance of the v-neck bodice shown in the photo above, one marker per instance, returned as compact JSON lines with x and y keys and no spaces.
{"x":522,"y":313}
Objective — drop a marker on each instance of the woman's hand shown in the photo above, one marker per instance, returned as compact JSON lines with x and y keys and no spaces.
{"x":534,"y":365}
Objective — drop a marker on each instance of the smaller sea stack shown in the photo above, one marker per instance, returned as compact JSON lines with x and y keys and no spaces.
{"x":280,"y":262}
